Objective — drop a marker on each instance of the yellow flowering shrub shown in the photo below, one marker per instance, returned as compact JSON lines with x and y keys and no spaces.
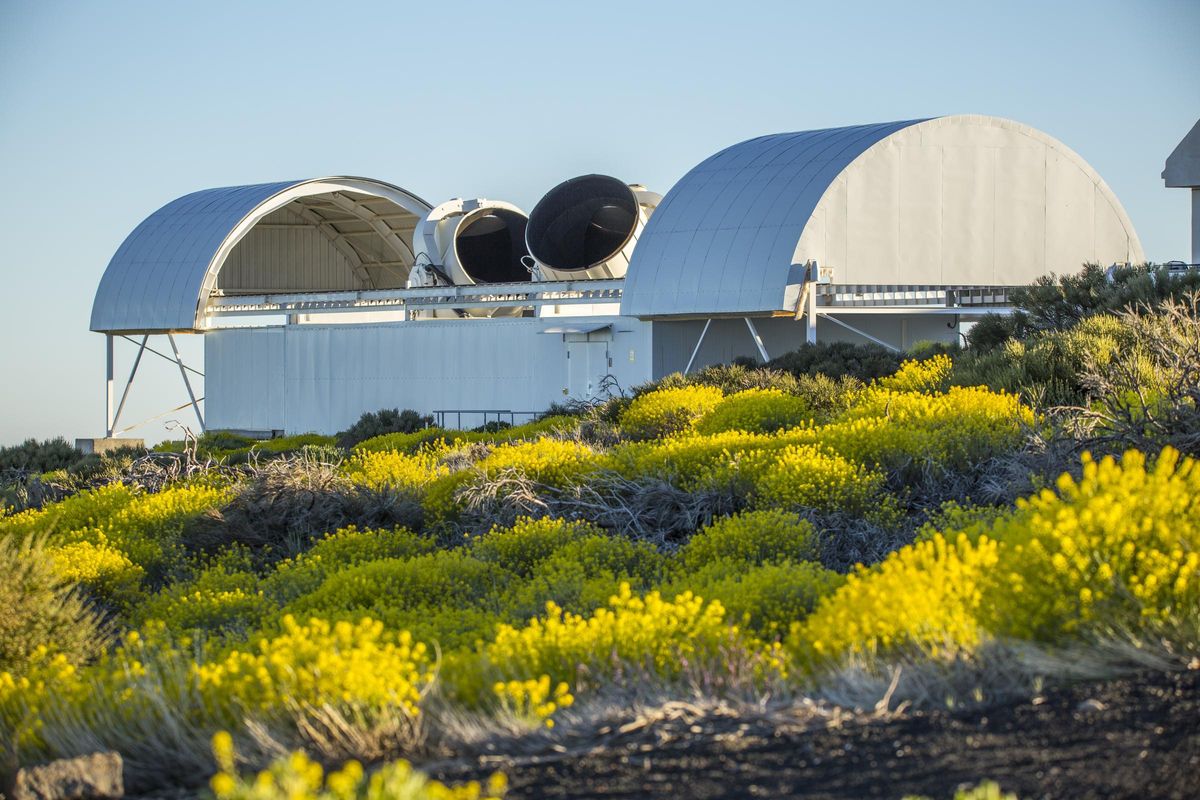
{"x":92,"y":508}
{"x":663,"y":412}
{"x":756,"y":411}
{"x":296,"y":777}
{"x":751,"y":538}
{"x":649,"y":633}
{"x":533,"y":698}
{"x":1118,"y":549}
{"x":924,"y":597}
{"x":106,"y":573}
{"x":930,"y":375}
{"x":97,"y":531}
{"x":427,"y":438}
{"x":883,"y":428}
{"x":555,"y":462}
{"x":395,"y":470}
{"x":147,"y":528}
{"x":805,"y":476}
{"x":444,"y":439}
{"x":359,"y":665}
{"x":954,"y":428}
{"x":689,"y":459}
{"x":788,"y":469}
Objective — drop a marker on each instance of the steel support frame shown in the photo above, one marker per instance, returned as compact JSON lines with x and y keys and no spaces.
{"x":112,"y":416}
{"x":758,"y":342}
{"x":810,"y":317}
{"x":696,"y":349}
{"x":863,"y":334}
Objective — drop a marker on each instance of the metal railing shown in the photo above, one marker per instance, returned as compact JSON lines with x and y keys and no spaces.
{"x":524,"y":294}
{"x":877,"y":295}
{"x":441,"y":416}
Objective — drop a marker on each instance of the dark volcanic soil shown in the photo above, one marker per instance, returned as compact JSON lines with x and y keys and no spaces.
{"x":1137,"y":737}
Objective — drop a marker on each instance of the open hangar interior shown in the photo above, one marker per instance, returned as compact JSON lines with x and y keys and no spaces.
{"x":320,"y":300}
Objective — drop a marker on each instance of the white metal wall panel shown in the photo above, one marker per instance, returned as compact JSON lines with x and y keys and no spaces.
{"x":968,"y":219}
{"x":1021,"y":213}
{"x":328,"y":376}
{"x":1070,"y":216}
{"x":920,"y":215}
{"x":244,"y":386}
{"x":873,"y":206}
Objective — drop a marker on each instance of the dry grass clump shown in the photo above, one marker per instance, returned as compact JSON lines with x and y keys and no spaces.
{"x":645,"y":509}
{"x":286,"y":504}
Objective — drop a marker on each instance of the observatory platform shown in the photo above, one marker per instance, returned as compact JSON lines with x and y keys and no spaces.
{"x":322,"y":299}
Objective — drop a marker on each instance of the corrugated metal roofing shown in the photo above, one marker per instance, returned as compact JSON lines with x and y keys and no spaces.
{"x":156,"y":279}
{"x":722,"y":240}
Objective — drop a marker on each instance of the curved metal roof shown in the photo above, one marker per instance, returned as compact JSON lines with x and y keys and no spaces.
{"x":722,"y":240}
{"x":161,"y":275}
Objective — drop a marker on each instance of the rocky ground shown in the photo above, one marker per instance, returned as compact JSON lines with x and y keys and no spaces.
{"x":1137,"y":737}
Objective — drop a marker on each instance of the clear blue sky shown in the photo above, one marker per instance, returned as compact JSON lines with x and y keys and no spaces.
{"x":109,"y":110}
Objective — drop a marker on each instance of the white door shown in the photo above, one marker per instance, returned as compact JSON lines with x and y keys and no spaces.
{"x":587,"y":364}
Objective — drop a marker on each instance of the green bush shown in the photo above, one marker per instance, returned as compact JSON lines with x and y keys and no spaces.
{"x":839,"y":359}
{"x":38,"y":608}
{"x":34,"y":456}
{"x":217,"y":601}
{"x":1050,"y":365}
{"x":1059,"y":302}
{"x":582,"y":575}
{"x":524,"y":546}
{"x":377,"y":423}
{"x":991,"y":333}
{"x":443,"y":578}
{"x":348,"y":547}
{"x":751,"y":538}
{"x":766,"y":598}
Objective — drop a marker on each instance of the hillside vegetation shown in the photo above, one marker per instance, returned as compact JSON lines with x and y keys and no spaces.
{"x":952,"y":528}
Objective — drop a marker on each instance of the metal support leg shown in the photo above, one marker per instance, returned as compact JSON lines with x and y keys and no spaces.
{"x":109,"y":422}
{"x":810,"y":333}
{"x":696,"y":349}
{"x":762,"y":350}
{"x":186,"y":382}
{"x":116,"y":418}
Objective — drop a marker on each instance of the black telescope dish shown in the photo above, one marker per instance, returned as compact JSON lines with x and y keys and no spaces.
{"x":490,"y":247}
{"x":582,"y":222}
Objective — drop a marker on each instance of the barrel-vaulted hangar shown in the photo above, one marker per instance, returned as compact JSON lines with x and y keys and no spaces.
{"x":323,"y":299}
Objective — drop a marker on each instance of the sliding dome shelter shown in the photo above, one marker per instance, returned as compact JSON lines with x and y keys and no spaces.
{"x":890,"y":233}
